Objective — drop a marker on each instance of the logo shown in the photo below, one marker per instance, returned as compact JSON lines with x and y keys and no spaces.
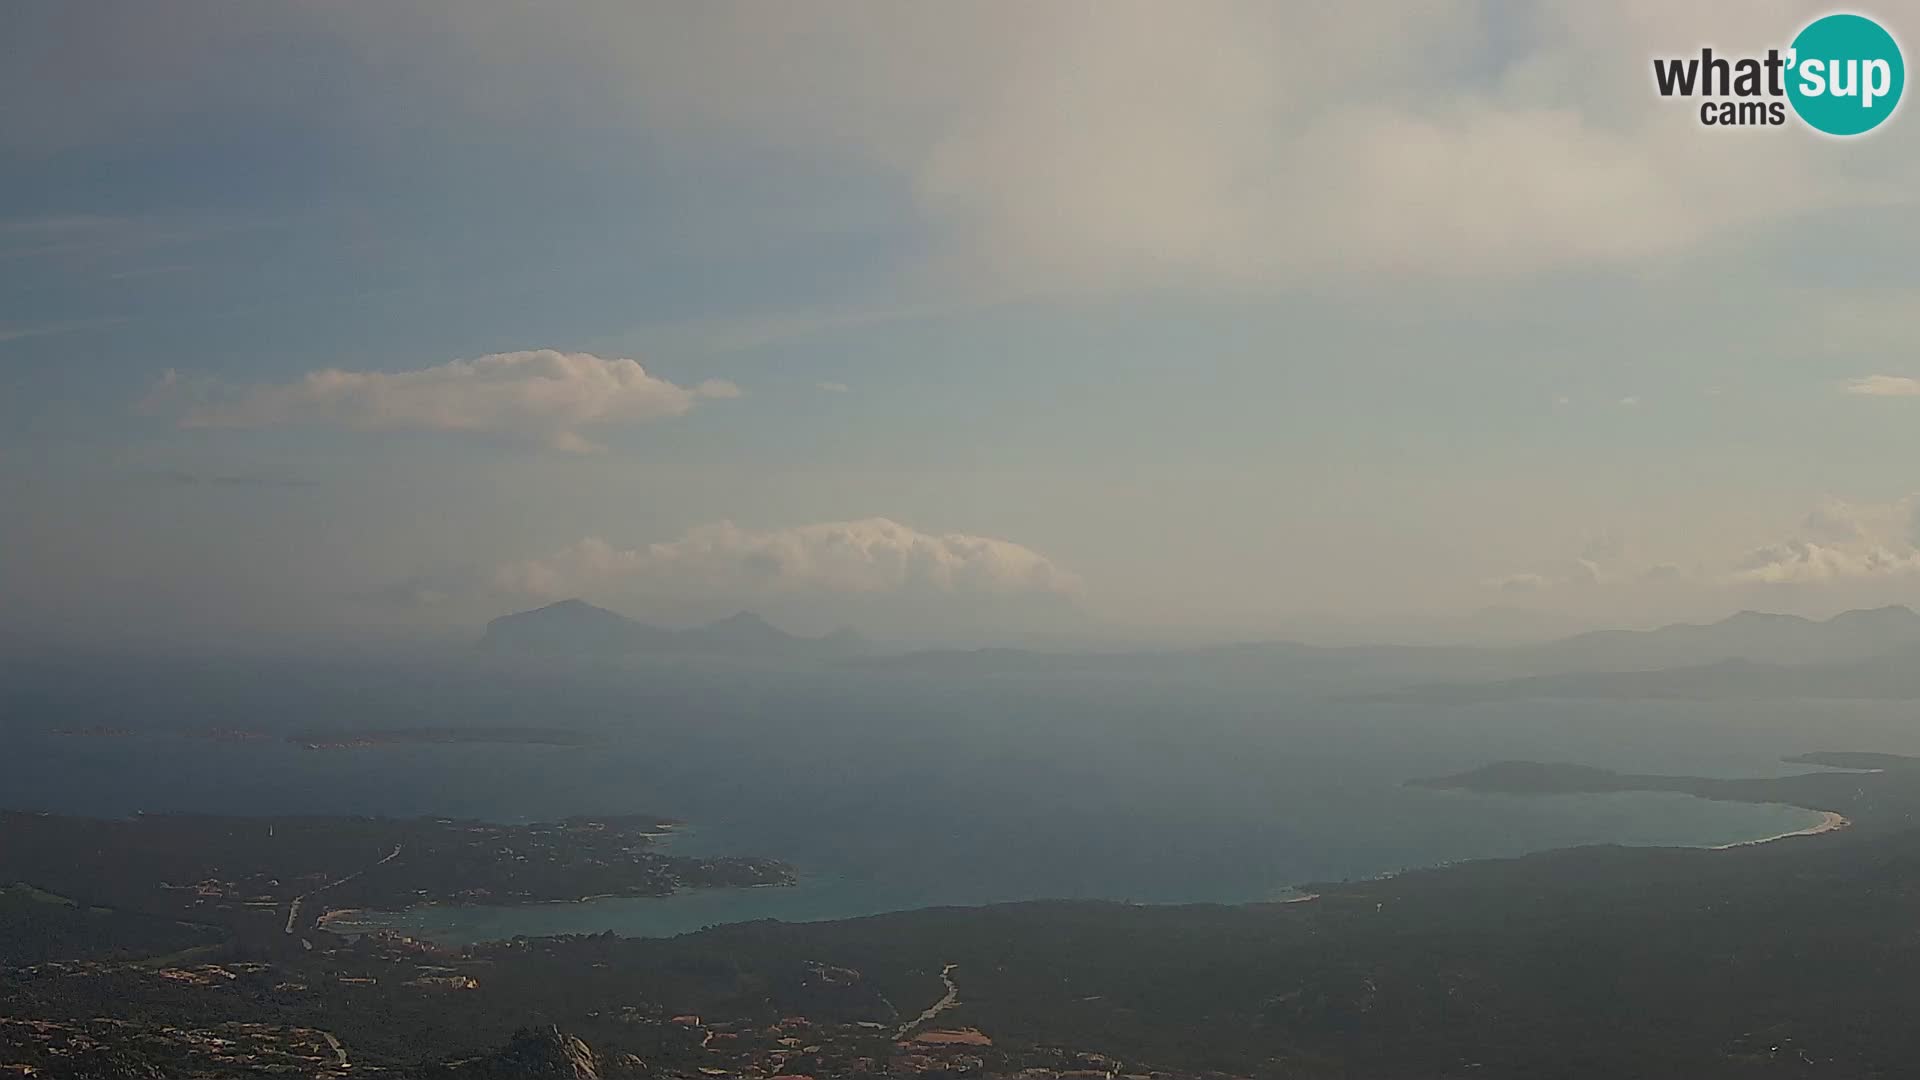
{"x":1841,"y":75}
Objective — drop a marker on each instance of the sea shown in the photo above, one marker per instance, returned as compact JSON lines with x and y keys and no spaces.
{"x":896,"y":793}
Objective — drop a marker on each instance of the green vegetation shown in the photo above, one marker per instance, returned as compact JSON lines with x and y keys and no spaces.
{"x":1788,"y":958}
{"x":266,"y":878}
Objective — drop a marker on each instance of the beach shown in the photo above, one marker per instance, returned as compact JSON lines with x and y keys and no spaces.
{"x":1829,"y":822}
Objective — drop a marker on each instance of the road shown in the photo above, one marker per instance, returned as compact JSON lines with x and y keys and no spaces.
{"x":339,"y":1051}
{"x":293,"y":908}
{"x":948,"y":1001}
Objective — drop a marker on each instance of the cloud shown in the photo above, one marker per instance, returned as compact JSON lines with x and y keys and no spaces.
{"x":1884,"y":386}
{"x":1837,"y":542}
{"x":1268,"y":144}
{"x":872,"y":555}
{"x":1576,"y":572}
{"x":832,"y":387}
{"x":1074,"y":146}
{"x":541,"y":395}
{"x":1835,"y":522}
{"x":1806,"y":562}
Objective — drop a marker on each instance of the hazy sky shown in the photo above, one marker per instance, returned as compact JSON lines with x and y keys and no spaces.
{"x":952,"y":320}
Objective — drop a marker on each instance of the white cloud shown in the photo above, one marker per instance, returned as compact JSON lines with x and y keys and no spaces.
{"x":1575,"y":572}
{"x":872,"y":555}
{"x":543,"y":395}
{"x":833,"y":387}
{"x":1803,"y":562}
{"x":1264,"y":143}
{"x":1837,"y":542}
{"x":1884,"y":386}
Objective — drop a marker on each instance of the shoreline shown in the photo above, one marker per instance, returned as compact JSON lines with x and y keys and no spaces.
{"x":348,"y":914}
{"x":335,"y":913}
{"x":1830,"y":821}
{"x":383,"y":920}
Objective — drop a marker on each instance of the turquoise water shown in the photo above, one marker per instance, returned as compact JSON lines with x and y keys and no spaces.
{"x":903,"y":796}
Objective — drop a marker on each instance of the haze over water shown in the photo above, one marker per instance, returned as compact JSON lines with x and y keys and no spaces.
{"x":891,"y":794}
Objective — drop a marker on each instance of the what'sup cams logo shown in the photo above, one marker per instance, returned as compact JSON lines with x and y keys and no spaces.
{"x":1842,"y":75}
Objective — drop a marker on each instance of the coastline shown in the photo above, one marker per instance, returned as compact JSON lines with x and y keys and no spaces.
{"x":686,"y":910}
{"x":334,"y":913}
{"x":814,"y":898}
{"x":349,"y":915}
{"x":1830,"y":821}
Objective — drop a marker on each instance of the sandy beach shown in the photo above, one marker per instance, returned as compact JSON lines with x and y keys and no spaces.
{"x":1829,"y":822}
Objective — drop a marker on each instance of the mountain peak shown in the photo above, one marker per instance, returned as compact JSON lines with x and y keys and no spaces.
{"x":1758,"y":636}
{"x":1888,"y":615}
{"x":570,"y":608}
{"x":577,"y":629}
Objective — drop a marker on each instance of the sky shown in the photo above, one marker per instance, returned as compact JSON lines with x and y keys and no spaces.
{"x":326,"y":323}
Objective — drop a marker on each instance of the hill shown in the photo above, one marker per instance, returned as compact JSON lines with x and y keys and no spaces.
{"x":1751,"y":654}
{"x":579,"y":630}
{"x":1753,"y":636}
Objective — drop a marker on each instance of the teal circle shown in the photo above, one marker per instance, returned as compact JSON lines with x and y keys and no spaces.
{"x":1852,"y":53}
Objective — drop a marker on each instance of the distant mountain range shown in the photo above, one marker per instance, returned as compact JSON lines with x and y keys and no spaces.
{"x":1754,"y":636}
{"x":1873,"y":653}
{"x":1751,"y":654}
{"x":1865,"y":654}
{"x":577,"y":629}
